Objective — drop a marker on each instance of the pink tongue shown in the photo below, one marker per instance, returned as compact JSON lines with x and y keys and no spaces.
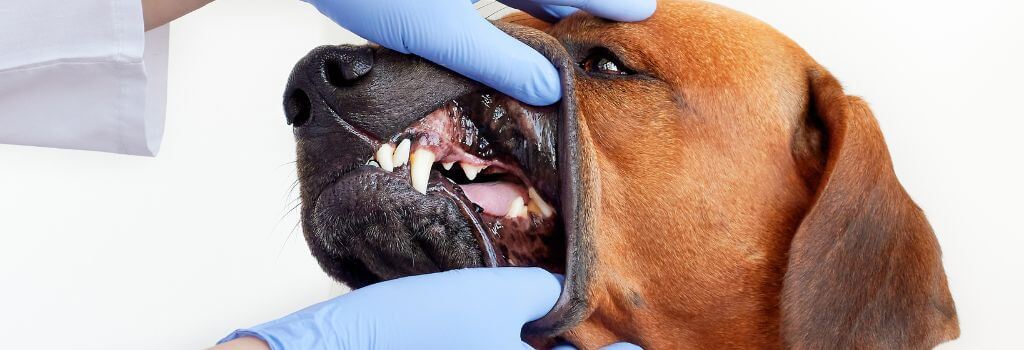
{"x":494,"y":197}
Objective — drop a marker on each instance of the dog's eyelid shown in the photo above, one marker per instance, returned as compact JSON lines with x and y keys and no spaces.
{"x":605,"y":61}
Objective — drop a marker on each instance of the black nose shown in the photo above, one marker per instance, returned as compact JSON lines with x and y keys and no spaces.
{"x":325,"y":67}
{"x":365,"y":92}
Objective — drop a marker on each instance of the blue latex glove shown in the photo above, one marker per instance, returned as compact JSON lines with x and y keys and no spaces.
{"x":616,"y":346}
{"x":451,"y":33}
{"x":462,"y":309}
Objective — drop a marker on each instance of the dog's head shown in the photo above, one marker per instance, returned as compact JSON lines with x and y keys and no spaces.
{"x":703,"y":182}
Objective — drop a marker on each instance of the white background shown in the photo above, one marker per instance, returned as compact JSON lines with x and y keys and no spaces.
{"x":102,"y":251}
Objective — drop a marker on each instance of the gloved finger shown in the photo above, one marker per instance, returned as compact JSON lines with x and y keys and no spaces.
{"x":522,"y":294}
{"x":451,"y":33}
{"x":616,"y":346}
{"x":475,"y":48}
{"x":547,"y":13}
{"x":616,"y":10}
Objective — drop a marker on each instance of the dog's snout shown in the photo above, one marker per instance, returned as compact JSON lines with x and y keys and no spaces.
{"x":325,"y":69}
{"x":368,"y":91}
{"x":296,"y":107}
{"x":344,"y":66}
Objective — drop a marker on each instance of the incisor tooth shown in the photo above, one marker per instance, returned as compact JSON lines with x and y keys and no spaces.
{"x":401,"y":156}
{"x":472,"y":170}
{"x":384,"y":154}
{"x":419,"y":169}
{"x":447,"y":165}
{"x":543,"y":207}
{"x":517,"y":208}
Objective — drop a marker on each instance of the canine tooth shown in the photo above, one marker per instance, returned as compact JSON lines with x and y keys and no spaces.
{"x":517,"y":208}
{"x":447,"y":165}
{"x":401,"y":156}
{"x":384,"y":154}
{"x":472,"y":170}
{"x":542,"y":207}
{"x":419,"y":168}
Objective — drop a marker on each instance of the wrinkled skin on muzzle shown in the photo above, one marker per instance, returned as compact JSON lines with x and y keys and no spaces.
{"x":365,"y":225}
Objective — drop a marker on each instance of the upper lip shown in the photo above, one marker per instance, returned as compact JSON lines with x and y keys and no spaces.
{"x":566,"y":185}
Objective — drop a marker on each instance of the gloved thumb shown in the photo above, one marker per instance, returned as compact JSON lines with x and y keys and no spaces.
{"x":616,"y":346}
{"x":473,"y":47}
{"x":616,"y":10}
{"x":523,"y":294}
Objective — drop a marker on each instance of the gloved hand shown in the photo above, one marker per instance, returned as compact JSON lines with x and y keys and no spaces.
{"x":451,"y":33}
{"x":462,"y":309}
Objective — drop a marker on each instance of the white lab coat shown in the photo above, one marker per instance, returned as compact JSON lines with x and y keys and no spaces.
{"x":73,"y":74}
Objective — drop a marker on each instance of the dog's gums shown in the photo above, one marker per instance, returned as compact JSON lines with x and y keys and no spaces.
{"x":466,"y":151}
{"x":407,"y":168}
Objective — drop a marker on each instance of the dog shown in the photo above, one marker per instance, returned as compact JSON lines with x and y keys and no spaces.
{"x":703,"y":183}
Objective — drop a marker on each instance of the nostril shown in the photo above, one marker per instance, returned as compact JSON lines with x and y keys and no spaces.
{"x":297,"y":107}
{"x":348,"y":66}
{"x":336,"y":76}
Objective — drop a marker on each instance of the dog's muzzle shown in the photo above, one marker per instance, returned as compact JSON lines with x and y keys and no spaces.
{"x":407,"y":168}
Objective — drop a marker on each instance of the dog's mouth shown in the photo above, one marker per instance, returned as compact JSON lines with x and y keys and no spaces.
{"x":494,"y":159}
{"x":406,"y":168}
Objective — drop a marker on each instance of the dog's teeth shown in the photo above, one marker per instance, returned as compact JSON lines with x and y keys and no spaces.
{"x":517,"y":208}
{"x":447,"y":165}
{"x":472,"y":170}
{"x":384,"y":154}
{"x":373,"y":163}
{"x":419,"y":169}
{"x":539,"y":205}
{"x":401,"y":156}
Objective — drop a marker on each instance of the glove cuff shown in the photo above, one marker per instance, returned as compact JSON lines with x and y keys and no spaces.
{"x":240,"y":333}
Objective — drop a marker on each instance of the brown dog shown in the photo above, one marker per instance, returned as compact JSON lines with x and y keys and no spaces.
{"x":715,"y":187}
{"x":762,"y":196}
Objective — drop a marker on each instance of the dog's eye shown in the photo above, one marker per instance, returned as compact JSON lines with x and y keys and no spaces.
{"x":602,"y":61}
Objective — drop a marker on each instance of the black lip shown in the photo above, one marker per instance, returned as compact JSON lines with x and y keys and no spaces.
{"x":572,"y":304}
{"x":443,"y":186}
{"x":448,"y":189}
{"x":333,"y":156}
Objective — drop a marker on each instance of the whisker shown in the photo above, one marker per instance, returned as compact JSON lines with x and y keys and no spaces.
{"x":503,"y":8}
{"x":287,"y":239}
{"x":290,"y":211}
{"x":484,"y":3}
{"x":488,"y":4}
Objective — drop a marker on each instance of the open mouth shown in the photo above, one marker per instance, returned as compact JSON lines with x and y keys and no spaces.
{"x":495,"y":159}
{"x":407,"y":168}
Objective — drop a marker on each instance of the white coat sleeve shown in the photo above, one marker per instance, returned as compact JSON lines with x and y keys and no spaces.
{"x":73,"y":74}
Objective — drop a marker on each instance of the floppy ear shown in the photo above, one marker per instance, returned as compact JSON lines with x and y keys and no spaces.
{"x":864,"y":270}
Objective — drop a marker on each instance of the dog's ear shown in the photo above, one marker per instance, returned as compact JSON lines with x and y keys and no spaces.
{"x":864,"y":270}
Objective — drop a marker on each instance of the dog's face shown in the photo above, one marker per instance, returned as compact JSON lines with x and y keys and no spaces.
{"x":704,"y":183}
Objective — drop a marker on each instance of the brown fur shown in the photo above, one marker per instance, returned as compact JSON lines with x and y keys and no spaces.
{"x":744,"y":200}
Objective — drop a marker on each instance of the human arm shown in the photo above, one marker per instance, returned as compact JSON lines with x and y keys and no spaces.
{"x":243,"y":343}
{"x":159,"y":12}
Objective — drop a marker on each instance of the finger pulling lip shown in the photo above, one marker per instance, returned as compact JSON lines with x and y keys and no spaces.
{"x":406,"y":176}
